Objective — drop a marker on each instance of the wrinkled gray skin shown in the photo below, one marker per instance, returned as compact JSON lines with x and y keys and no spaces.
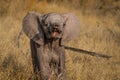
{"x":48,"y":33}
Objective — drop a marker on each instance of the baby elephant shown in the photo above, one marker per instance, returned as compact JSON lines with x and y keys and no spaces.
{"x":48,"y":34}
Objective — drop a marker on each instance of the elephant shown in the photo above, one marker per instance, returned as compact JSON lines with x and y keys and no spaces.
{"x":48,"y":33}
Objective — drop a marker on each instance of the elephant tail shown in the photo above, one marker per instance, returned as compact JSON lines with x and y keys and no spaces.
{"x":19,"y":37}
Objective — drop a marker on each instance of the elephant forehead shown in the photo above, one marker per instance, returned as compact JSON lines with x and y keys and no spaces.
{"x":55,"y":18}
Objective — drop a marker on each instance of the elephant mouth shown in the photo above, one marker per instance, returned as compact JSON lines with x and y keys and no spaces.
{"x":56,"y":33}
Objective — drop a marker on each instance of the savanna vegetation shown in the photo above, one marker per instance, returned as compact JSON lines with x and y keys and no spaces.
{"x":100,"y":32}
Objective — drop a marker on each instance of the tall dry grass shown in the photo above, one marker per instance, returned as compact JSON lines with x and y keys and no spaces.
{"x":100,"y":32}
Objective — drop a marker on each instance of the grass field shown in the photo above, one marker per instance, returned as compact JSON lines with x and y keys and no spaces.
{"x":100,"y":32}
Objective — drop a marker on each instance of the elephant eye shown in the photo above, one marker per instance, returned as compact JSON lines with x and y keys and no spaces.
{"x":56,"y":25}
{"x":64,"y":24}
{"x":45,"y":24}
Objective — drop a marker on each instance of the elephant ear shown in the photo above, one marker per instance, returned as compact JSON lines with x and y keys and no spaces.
{"x":32,"y":27}
{"x":71,"y":28}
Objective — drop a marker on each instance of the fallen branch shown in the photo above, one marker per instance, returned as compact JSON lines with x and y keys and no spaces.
{"x":88,"y":52}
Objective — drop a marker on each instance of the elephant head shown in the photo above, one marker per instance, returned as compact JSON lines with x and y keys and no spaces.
{"x":40,"y":27}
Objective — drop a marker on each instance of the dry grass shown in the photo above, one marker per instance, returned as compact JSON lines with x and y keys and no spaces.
{"x":100,"y":32}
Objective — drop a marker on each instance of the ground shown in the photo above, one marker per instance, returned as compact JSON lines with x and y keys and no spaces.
{"x":100,"y":32}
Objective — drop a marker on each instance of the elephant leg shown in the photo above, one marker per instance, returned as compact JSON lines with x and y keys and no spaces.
{"x":44,"y":66}
{"x":45,"y":72}
{"x":62,"y":69}
{"x":35,"y":61}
